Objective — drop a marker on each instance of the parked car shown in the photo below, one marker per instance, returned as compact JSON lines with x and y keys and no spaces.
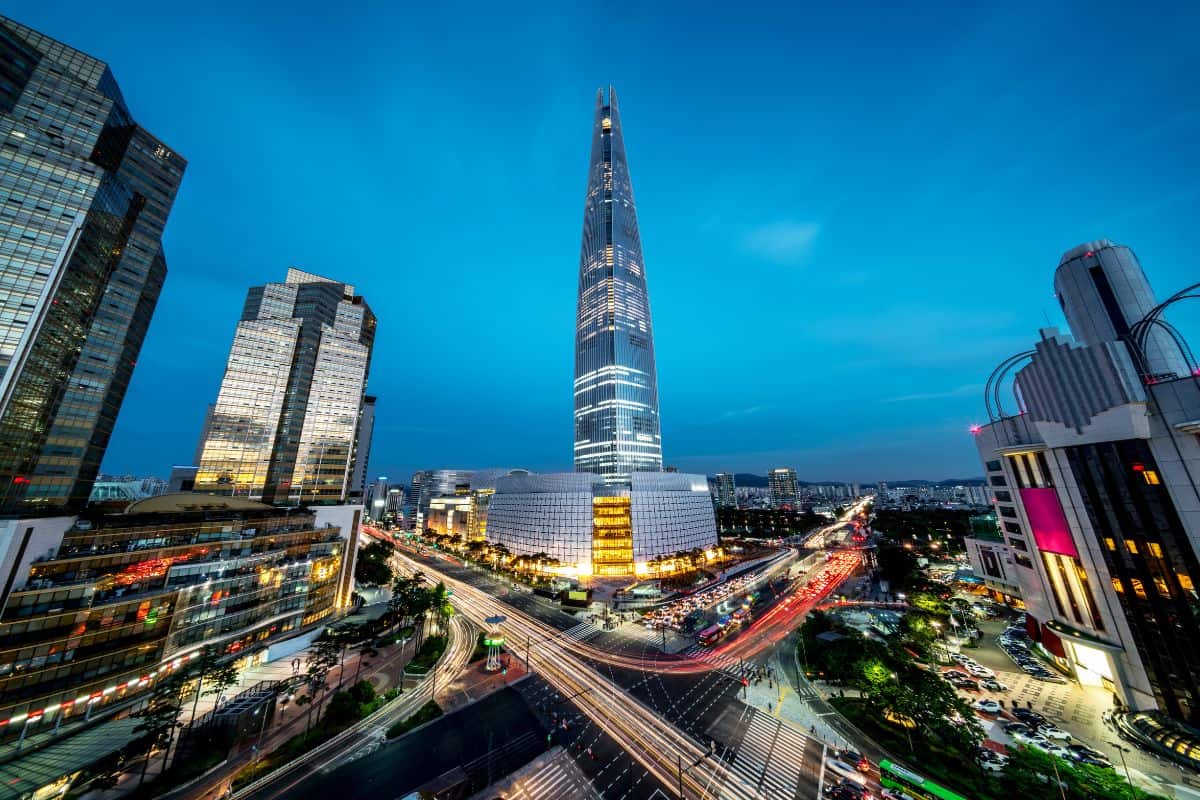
{"x":1028,"y":716}
{"x":1051,"y":731}
{"x":1032,"y":739}
{"x":1013,"y":727}
{"x":993,"y":685}
{"x":987,"y":706}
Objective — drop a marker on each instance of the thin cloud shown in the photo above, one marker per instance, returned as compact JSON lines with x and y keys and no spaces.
{"x":961,"y":391}
{"x":783,"y":242}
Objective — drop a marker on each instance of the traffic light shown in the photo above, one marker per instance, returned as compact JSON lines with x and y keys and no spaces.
{"x":745,"y":682}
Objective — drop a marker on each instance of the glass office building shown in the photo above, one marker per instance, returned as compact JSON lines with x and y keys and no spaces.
{"x":616,"y":388}
{"x":285,"y":428}
{"x":84,"y":197}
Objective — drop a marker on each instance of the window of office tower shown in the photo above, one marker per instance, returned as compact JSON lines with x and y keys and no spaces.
{"x":1151,"y":562}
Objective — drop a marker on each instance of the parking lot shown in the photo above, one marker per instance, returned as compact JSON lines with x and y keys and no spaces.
{"x":1071,"y":707}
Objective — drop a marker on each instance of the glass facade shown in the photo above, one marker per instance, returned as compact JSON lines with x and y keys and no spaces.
{"x":616,"y":387}
{"x":126,"y":595}
{"x":84,"y":197}
{"x":1151,"y":561}
{"x":584,"y":522}
{"x":286,"y":423}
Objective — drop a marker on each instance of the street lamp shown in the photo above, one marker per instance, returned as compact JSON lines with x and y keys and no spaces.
{"x":1122,"y":749}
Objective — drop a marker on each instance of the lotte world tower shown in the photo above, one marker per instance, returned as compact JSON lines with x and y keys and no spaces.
{"x":616,"y":389}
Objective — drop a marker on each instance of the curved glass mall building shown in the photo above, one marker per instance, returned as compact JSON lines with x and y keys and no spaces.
{"x":618,"y":510}
{"x":596,"y":528}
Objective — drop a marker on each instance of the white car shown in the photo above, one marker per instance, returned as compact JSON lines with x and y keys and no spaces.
{"x":1031,"y":739}
{"x":987,"y":706}
{"x":1052,"y":732}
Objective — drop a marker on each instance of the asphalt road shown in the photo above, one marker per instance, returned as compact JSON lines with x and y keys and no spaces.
{"x":777,"y":759}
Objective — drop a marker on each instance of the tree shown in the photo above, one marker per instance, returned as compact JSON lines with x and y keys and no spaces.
{"x":319,"y":662}
{"x":1034,"y":775}
{"x":159,"y":719}
{"x":373,"y":566}
{"x":212,"y":675}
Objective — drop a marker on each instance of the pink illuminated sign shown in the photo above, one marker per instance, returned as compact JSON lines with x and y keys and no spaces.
{"x":1050,"y":528}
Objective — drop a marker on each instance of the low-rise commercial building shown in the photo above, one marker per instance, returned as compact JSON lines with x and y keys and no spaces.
{"x":125,"y":598}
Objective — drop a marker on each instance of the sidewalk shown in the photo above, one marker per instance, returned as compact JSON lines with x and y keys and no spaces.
{"x":781,"y":700}
{"x":383,"y":671}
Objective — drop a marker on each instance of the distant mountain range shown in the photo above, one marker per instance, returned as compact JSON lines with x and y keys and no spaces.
{"x":749,"y":480}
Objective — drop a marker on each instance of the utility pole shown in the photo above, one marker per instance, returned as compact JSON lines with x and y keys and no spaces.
{"x":680,"y":762}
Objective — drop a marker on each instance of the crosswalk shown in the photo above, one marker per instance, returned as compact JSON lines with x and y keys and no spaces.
{"x":727,"y":663}
{"x":581,"y":632}
{"x":770,"y":756}
{"x":558,"y":779}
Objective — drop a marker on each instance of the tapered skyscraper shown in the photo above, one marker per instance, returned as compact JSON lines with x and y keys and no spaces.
{"x":616,"y":389}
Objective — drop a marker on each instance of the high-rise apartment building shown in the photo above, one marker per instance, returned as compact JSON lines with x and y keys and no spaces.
{"x":288,"y":413}
{"x":84,"y":197}
{"x":616,"y":387}
{"x":785,"y":491}
{"x":1096,"y":485}
{"x":726,"y":490}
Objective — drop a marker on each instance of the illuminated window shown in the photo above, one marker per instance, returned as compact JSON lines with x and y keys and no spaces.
{"x":1132,"y":545}
{"x":1151,"y":477}
{"x":1117,"y":586}
{"x":1138,"y":589}
{"x":1161,"y":585}
{"x":1185,"y":581}
{"x":1110,"y":543}
{"x":1155,"y":549}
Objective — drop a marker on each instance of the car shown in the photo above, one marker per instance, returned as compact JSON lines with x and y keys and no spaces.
{"x":1028,"y":716}
{"x":1058,"y":750}
{"x":1051,"y":731}
{"x":844,"y":770}
{"x":1030,"y":738}
{"x":1013,"y":727}
{"x":993,"y":685}
{"x":987,"y":706}
{"x":895,"y":794}
{"x":1092,"y":761}
{"x":1083,"y":749}
{"x":854,"y":759}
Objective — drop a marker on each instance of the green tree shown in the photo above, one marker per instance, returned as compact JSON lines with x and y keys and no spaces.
{"x":212,"y":674}
{"x":373,"y":566}
{"x":1034,"y":775}
{"x":319,"y":662}
{"x":159,"y":719}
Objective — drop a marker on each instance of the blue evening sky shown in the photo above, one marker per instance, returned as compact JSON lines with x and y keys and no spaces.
{"x":850,"y":211}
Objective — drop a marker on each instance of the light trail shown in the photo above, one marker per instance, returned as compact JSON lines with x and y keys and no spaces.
{"x":656,"y":744}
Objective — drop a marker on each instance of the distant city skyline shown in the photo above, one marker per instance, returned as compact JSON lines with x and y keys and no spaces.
{"x":853,"y":216}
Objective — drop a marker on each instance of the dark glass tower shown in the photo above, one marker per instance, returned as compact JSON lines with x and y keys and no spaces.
{"x":84,"y":196}
{"x":616,"y":388}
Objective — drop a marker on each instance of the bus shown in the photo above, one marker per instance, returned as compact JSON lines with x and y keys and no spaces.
{"x":894,"y":776}
{"x":750,"y":600}
{"x":741,"y":615}
{"x":710,"y":636}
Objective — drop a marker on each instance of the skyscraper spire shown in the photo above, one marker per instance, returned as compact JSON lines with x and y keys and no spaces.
{"x":616,"y":387}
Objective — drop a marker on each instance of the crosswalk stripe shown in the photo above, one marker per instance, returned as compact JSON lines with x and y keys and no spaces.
{"x":581,"y":632}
